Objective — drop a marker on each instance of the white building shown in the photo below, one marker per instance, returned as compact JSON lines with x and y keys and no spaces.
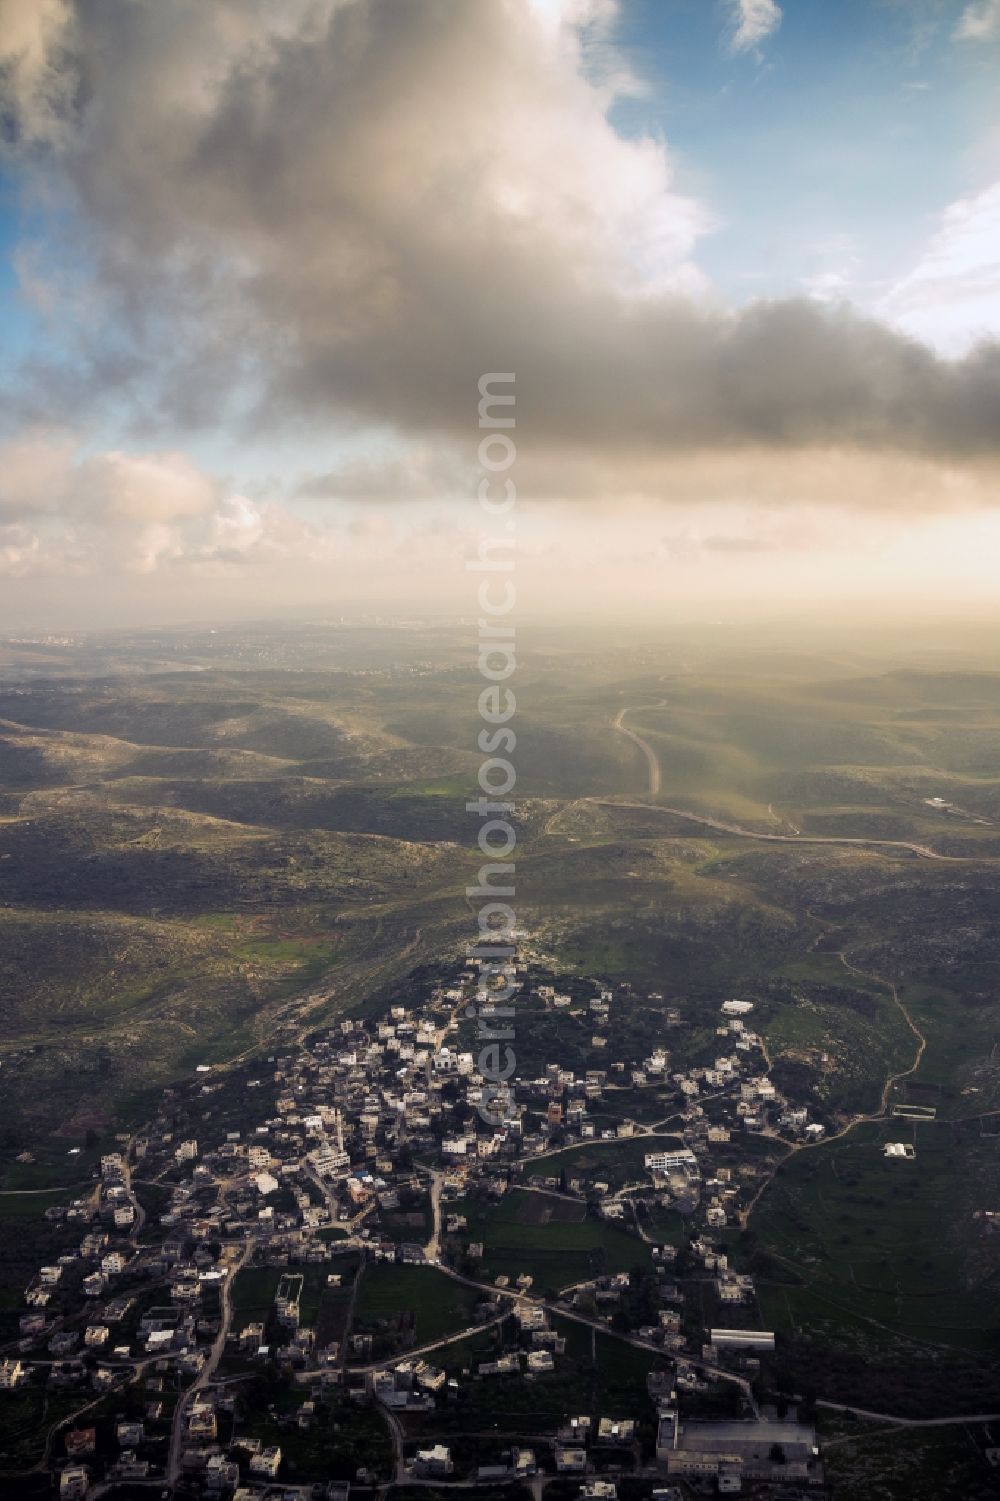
{"x":742,"y":1339}
{"x":436,"y":1461}
{"x":666,"y":1162}
{"x":267,"y":1462}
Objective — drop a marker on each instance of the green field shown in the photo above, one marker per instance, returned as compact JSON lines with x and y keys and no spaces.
{"x":596,"y":1373}
{"x":873,"y":1247}
{"x":253,"y":1290}
{"x":419,"y":1299}
{"x":557,"y":1251}
{"x":339,"y":1440}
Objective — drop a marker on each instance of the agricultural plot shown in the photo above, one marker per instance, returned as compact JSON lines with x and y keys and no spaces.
{"x":546,"y":1209}
{"x":322,"y":1306}
{"x":339,"y":1439}
{"x":414,"y":1304}
{"x":253,"y":1292}
{"x":596,"y":1374}
{"x":874,"y":1247}
{"x":556,"y":1251}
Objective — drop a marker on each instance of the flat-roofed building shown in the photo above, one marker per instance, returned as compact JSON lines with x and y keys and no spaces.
{"x":700,"y":1463}
{"x":755,"y":1444}
{"x":743,"y":1339}
{"x":571,"y":1461}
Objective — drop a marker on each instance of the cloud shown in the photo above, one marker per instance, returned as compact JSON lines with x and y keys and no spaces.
{"x":20,"y":551}
{"x":35,"y":82}
{"x":835,"y":262}
{"x":66,"y":512}
{"x":951,"y":296}
{"x":33,"y":474}
{"x":419,"y":471}
{"x":43,"y":472}
{"x":625,"y":479}
{"x":979,"y":22}
{"x":275,"y":198}
{"x":150,"y":488}
{"x":338,"y":212}
{"x":751,"y":22}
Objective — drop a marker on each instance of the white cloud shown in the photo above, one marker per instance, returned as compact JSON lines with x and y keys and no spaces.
{"x":416,"y":472}
{"x":979,"y":22}
{"x":20,"y":551}
{"x":951,"y":296}
{"x":66,"y":512}
{"x":33,"y":471}
{"x":751,"y":22}
{"x":147,"y":488}
{"x":44,"y":472}
{"x":340,"y":205}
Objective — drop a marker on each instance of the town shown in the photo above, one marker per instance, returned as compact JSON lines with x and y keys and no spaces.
{"x":324,"y":1271}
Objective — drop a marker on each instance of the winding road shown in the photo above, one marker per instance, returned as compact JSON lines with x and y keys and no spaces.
{"x":922,"y":851}
{"x":857,"y":1120}
{"x":899,"y":1003}
{"x":652,"y":759}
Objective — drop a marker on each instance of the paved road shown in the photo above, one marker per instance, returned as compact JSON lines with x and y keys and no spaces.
{"x":652,"y":759}
{"x":207,"y":1371}
{"x":651,"y":1131}
{"x":432,"y":1250}
{"x":411,"y":1353}
{"x":397,"y":1436}
{"x":885,"y":1417}
{"x":512,"y":1296}
{"x":922,"y":851}
{"x":58,"y":1188}
{"x":630,"y":1339}
{"x":901,"y":1007}
{"x":140,"y":1213}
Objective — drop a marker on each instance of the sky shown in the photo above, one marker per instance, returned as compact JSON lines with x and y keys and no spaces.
{"x":743,"y":257}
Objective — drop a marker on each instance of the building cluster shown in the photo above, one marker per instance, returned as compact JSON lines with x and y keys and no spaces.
{"x":363,"y":1136}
